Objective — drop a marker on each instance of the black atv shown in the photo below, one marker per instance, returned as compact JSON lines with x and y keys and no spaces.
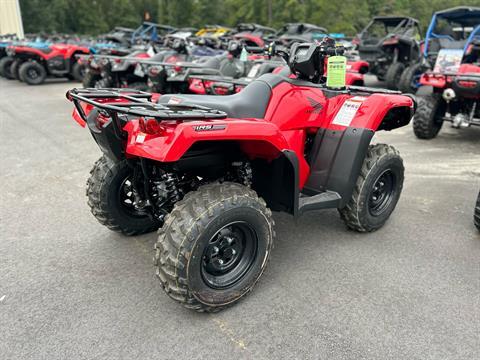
{"x":297,"y":32}
{"x":450,"y":29}
{"x":389,"y":44}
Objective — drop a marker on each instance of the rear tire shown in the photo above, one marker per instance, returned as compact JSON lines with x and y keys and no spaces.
{"x":409,"y":79}
{"x":78,"y":72}
{"x":394,"y":72}
{"x":214,"y":246}
{"x":89,"y":80}
{"x":476,"y":215}
{"x":377,"y":190}
{"x":428,"y":121}
{"x":5,"y":64}
{"x":15,"y":69}
{"x":107,"y":192}
{"x":32,"y":73}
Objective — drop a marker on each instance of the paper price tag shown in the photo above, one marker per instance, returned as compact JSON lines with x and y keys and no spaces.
{"x":336,"y":71}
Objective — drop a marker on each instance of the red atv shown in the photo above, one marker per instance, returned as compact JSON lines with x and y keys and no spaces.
{"x":209,"y":170}
{"x":448,"y":96}
{"x":225,"y":85}
{"x":32,"y":65}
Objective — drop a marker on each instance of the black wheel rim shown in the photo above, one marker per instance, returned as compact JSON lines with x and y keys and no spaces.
{"x":229,"y":255}
{"x":129,"y":202}
{"x":382,"y":193}
{"x":32,"y":73}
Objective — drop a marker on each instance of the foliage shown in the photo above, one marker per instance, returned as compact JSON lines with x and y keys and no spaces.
{"x":98,"y":16}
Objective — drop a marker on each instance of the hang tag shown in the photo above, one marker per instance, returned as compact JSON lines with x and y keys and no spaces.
{"x":150,"y":51}
{"x":336,"y":71}
{"x":244,"y":55}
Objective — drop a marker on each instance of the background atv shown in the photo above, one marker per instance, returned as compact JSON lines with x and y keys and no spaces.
{"x":208,"y":170}
{"x":448,"y":96}
{"x":33,"y":64}
{"x":176,"y":76}
{"x":448,"y":29}
{"x":297,"y":32}
{"x":389,"y":44}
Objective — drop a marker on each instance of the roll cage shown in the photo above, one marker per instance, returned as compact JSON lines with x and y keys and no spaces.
{"x":393,"y":25}
{"x":463,"y":16}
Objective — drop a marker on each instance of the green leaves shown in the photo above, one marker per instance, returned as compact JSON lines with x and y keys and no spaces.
{"x":97,"y":16}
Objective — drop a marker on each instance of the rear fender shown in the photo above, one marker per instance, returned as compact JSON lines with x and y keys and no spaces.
{"x":176,"y":137}
{"x":438,"y":81}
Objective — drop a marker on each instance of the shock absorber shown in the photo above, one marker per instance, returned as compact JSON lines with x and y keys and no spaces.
{"x":165,"y":194}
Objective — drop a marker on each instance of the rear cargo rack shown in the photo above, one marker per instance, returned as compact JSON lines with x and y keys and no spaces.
{"x":137,"y":103}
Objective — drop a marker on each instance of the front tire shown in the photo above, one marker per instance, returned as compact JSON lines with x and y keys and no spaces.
{"x":32,"y":73}
{"x":409,"y":81}
{"x":428,"y":121}
{"x":377,"y":190}
{"x":110,"y":198}
{"x":15,"y":69}
{"x":476,"y":215}
{"x":394,"y":72}
{"x":214,"y":246}
{"x":78,"y":72}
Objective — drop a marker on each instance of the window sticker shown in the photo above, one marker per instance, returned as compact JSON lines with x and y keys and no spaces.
{"x":348,"y":111}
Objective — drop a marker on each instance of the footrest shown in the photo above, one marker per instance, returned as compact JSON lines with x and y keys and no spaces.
{"x":325,"y":200}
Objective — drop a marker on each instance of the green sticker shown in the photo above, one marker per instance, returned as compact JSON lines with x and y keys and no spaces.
{"x":336,"y":71}
{"x":244,"y":55}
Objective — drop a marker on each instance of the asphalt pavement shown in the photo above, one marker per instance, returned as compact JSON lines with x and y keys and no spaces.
{"x":72,"y":289}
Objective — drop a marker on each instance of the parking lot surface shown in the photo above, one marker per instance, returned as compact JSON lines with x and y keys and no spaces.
{"x":72,"y":289}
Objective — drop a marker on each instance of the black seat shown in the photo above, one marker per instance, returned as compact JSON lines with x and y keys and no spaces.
{"x":251,"y":102}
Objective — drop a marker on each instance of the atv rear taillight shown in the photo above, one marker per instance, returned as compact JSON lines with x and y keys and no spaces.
{"x":177,"y":68}
{"x":150,"y":127}
{"x":467,"y":83}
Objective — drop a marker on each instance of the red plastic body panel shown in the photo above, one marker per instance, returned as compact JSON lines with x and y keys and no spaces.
{"x":289,"y":117}
{"x":442,"y":81}
{"x":64,"y":50}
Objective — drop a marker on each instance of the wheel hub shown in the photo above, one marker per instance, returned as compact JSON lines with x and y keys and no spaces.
{"x":223,"y":252}
{"x":228,"y":255}
{"x":32,"y":73}
{"x":382,"y":193}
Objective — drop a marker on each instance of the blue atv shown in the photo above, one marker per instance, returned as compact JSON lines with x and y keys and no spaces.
{"x":455,"y":28}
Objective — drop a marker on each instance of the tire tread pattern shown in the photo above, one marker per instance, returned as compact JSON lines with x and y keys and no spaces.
{"x":350,"y":214}
{"x":102,"y":172}
{"x":423,"y":121}
{"x":182,"y":227}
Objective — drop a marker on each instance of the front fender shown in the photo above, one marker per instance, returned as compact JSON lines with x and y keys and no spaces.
{"x":373,"y":112}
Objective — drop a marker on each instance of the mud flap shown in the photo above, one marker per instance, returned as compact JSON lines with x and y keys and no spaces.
{"x":336,"y":158}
